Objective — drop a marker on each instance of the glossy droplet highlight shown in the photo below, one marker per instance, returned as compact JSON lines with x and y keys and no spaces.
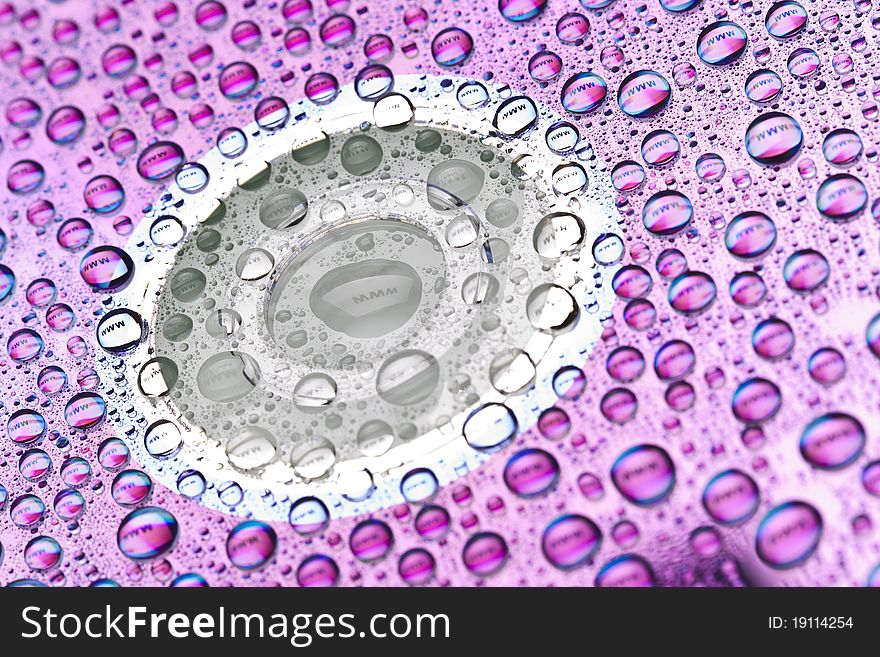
{"x":721,"y":43}
{"x":789,"y":534}
{"x":643,"y":94}
{"x":147,"y":533}
{"x":644,"y":474}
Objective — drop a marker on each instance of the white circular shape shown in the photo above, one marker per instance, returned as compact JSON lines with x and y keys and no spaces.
{"x":374,"y":423}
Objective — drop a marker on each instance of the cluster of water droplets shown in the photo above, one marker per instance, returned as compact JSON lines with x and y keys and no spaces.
{"x":720,"y":427}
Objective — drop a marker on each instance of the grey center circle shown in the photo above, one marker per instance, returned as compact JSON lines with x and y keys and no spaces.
{"x":361,"y":281}
{"x":374,"y":282}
